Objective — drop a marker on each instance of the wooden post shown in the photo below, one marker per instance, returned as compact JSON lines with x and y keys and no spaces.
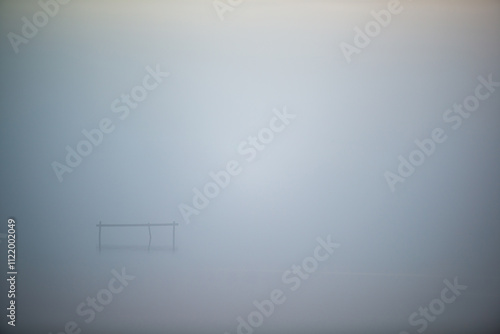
{"x":173,"y":235}
{"x":100,"y":236}
{"x":149,"y":228}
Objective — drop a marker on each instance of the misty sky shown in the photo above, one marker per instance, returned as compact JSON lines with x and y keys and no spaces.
{"x":323,"y":174}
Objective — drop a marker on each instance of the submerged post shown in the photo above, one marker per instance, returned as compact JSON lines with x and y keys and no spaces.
{"x":173,"y":234}
{"x":100,"y":235}
{"x":149,"y":228}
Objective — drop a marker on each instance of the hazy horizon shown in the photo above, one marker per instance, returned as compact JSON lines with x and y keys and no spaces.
{"x":304,"y":135}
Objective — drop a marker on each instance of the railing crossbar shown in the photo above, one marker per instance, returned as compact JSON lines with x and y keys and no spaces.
{"x":148,"y":225}
{"x":134,"y":225}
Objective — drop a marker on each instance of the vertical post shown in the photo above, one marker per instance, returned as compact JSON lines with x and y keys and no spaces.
{"x":100,"y":236}
{"x":173,"y":235}
{"x":149,"y":228}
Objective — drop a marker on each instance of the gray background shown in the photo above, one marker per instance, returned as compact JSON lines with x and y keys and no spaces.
{"x":323,"y":175}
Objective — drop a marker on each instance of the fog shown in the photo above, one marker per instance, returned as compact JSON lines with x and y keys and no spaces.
{"x":262,"y":137}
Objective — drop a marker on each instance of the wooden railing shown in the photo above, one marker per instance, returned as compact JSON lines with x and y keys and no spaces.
{"x":148,"y":225}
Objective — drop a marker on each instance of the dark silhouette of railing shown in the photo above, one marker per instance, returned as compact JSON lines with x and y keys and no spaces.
{"x":148,"y":225}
